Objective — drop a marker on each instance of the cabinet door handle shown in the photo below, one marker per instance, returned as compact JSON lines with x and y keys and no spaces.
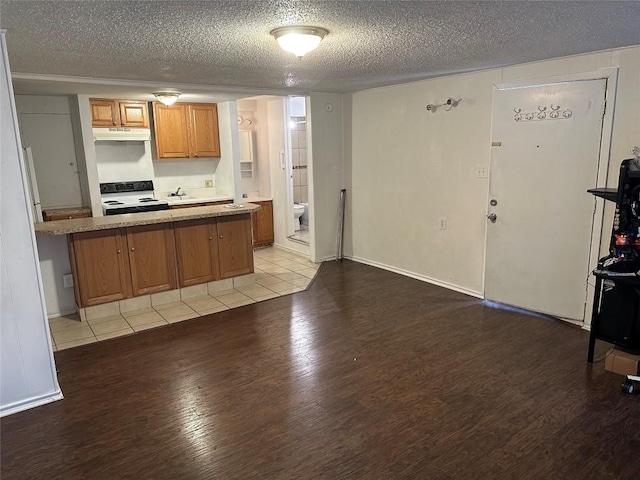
{"x":119,"y":251}
{"x":220,"y":236}
{"x":132,"y":249}
{"x":210,"y":238}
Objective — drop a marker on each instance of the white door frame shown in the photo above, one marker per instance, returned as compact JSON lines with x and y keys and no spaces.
{"x":598,"y":227}
{"x":288,"y":168}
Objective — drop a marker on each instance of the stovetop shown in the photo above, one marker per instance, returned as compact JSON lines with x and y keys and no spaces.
{"x":130,"y":197}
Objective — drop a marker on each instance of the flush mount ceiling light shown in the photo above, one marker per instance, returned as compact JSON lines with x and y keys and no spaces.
{"x":299,"y":40}
{"x":168,"y":97}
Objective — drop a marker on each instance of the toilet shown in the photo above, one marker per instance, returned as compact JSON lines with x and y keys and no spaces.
{"x":298,"y":210}
{"x":304,"y":219}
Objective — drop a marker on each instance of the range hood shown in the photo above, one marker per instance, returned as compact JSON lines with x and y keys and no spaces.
{"x":122,"y":134}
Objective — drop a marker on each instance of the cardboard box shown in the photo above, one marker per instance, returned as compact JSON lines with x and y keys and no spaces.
{"x":623,"y":363}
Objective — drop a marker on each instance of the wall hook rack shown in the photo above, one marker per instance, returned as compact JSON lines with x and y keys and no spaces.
{"x":448,"y":104}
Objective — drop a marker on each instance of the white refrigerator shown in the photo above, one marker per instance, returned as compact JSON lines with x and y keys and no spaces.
{"x":34,"y":197}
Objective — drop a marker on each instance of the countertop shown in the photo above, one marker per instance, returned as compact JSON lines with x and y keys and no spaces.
{"x":254,"y":198}
{"x":66,"y":211}
{"x":64,"y":227}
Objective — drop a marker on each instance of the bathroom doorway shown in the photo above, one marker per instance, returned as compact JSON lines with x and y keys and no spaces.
{"x":297,"y":167}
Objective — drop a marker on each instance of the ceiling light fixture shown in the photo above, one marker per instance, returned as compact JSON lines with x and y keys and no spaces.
{"x":299,"y":40}
{"x":168,"y":97}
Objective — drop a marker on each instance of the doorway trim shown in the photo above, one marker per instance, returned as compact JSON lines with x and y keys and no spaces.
{"x":597,"y":229}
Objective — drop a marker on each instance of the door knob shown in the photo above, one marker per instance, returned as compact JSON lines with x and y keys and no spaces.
{"x":133,"y":249}
{"x":492,"y":217}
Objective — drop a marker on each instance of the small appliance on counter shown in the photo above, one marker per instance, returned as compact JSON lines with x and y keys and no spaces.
{"x":130,"y":197}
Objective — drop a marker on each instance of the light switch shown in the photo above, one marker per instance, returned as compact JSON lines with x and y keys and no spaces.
{"x":67,"y":280}
{"x":482,"y":171}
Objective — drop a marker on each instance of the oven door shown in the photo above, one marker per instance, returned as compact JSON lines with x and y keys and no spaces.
{"x":136,"y":209}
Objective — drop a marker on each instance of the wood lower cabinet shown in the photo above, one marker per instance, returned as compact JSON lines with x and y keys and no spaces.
{"x":119,"y":263}
{"x":262,"y":222}
{"x":101,"y":266}
{"x":197,"y":251}
{"x":234,"y":245}
{"x":151,"y":259}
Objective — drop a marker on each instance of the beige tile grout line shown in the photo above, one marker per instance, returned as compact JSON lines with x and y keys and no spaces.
{"x":270,"y":256}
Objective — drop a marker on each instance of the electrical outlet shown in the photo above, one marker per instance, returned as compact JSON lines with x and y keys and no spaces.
{"x":482,"y":171}
{"x":67,"y":280}
{"x":442,"y":222}
{"x":208,"y":183}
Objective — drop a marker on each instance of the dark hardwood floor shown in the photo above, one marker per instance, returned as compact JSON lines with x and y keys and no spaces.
{"x":367,"y":375}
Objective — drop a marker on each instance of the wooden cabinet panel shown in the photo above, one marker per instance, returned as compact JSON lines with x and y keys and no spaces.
{"x":50,"y":218}
{"x":220,"y":202}
{"x":205,"y":141}
{"x":262,"y":223}
{"x":102,"y":268}
{"x":171,"y":130}
{"x":104,"y":113}
{"x":134,"y":114}
{"x":234,"y":245}
{"x":151,"y":259}
{"x":197,"y":251}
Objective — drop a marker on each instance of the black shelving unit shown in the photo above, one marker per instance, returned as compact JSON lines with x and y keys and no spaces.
{"x":616,"y":305}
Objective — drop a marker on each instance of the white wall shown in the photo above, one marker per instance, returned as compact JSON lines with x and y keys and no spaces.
{"x":27,"y":369}
{"x":228,"y":171}
{"x":53,"y":252}
{"x":326,"y":167}
{"x":246,"y":115}
{"x":409,"y":167}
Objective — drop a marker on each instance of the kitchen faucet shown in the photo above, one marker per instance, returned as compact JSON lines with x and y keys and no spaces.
{"x":177,"y":193}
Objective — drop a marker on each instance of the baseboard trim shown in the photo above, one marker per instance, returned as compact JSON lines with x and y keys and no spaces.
{"x":31,"y":403}
{"x":61,"y":314}
{"x":417,"y":276}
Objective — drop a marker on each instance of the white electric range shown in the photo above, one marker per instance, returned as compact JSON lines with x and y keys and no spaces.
{"x":130,"y":197}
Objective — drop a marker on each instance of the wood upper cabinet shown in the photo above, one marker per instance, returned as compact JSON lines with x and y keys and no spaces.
{"x":262,"y":223}
{"x":205,"y":140}
{"x":197,"y":251}
{"x":134,"y":114}
{"x":104,"y":113}
{"x":100,"y":266}
{"x":151,"y":259}
{"x":119,"y":113}
{"x":171,"y":130}
{"x":234,"y":245}
{"x":186,"y":130}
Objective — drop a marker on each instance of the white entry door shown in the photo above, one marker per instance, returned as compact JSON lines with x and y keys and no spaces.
{"x":50,"y":137}
{"x":545,"y":153}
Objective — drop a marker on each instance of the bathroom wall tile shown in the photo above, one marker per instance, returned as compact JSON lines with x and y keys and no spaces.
{"x":295,"y":157}
{"x":194,"y":291}
{"x":303,"y":177}
{"x":136,"y":303}
{"x":304,"y":194}
{"x":163,"y":298}
{"x":297,"y":195}
{"x":296,"y":178}
{"x":302,"y":139}
{"x":302,"y":156}
{"x":294,"y":139}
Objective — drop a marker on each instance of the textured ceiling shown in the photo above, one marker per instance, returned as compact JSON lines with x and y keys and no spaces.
{"x":371,"y":43}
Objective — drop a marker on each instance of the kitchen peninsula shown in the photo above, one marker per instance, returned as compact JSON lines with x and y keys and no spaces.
{"x":123,"y":256}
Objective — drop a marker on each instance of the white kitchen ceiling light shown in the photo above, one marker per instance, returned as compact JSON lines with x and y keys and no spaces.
{"x":168,"y":97}
{"x":299,"y":40}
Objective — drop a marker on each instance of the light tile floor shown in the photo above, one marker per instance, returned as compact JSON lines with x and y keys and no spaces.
{"x":278,"y":272}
